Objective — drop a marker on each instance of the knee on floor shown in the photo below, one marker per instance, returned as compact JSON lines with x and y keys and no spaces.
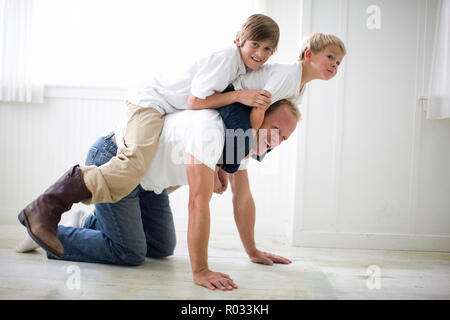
{"x":161,"y":251}
{"x":131,"y":257}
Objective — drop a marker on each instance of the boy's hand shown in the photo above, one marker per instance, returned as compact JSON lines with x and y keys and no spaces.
{"x":220,"y":181}
{"x":268,"y":258}
{"x":255,"y":98}
{"x":214,"y":280}
{"x":223,"y":178}
{"x":217,"y":184}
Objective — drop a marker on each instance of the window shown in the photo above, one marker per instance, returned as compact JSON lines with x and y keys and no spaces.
{"x":120,"y":43}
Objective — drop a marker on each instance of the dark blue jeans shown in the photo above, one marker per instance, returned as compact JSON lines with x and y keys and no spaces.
{"x":125,"y":232}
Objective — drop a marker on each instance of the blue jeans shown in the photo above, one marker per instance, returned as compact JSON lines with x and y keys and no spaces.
{"x":138,"y":226}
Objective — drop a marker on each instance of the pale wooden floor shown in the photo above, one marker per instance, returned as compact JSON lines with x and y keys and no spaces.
{"x":314,"y":274}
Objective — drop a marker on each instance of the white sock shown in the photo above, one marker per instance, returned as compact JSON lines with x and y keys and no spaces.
{"x":27,"y":244}
{"x":78,"y":219}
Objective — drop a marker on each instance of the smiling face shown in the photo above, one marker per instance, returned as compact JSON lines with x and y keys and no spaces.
{"x":326,"y":62}
{"x":255,"y":53}
{"x":276,"y":128}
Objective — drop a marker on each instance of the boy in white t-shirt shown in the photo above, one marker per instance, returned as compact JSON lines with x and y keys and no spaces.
{"x":256,"y":42}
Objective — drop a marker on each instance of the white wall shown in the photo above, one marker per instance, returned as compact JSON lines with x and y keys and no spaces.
{"x":373,"y":173}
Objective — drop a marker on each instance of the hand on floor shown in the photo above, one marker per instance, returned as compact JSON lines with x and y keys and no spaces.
{"x":268,"y":258}
{"x":214,"y":280}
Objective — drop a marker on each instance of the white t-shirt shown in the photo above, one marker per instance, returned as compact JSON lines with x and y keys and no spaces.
{"x":200,"y":133}
{"x":208,"y":75}
{"x":281,"y":80}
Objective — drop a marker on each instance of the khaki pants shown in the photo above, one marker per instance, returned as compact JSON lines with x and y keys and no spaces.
{"x":172,"y":189}
{"x":118,"y":177}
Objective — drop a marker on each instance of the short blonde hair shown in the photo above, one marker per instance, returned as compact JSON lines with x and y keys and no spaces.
{"x":259,"y":27}
{"x":318,"y":41}
{"x":292,"y":107}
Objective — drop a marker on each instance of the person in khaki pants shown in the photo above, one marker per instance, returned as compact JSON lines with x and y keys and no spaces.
{"x":116,"y":178}
{"x":137,"y":143}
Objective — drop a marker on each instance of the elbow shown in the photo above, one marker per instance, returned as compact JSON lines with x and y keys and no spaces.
{"x":256,"y":118}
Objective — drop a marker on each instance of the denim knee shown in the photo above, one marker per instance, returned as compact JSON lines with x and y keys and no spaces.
{"x":171,"y":246}
{"x":162,"y":250}
{"x":131,"y":257}
{"x":134,"y":259}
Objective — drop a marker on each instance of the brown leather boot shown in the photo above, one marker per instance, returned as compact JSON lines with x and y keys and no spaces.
{"x":41,"y":217}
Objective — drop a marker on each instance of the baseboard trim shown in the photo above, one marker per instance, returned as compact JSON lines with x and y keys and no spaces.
{"x":348,"y":240}
{"x":314,"y":239}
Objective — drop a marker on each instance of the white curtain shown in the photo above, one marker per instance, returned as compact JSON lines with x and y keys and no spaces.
{"x":16,"y":82}
{"x":439,"y":90}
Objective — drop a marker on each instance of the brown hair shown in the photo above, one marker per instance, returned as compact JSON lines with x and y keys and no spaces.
{"x":292,"y":107}
{"x":259,"y":27}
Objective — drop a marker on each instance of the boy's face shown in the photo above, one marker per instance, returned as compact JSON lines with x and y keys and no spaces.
{"x":255,"y":53}
{"x":326,"y":62}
